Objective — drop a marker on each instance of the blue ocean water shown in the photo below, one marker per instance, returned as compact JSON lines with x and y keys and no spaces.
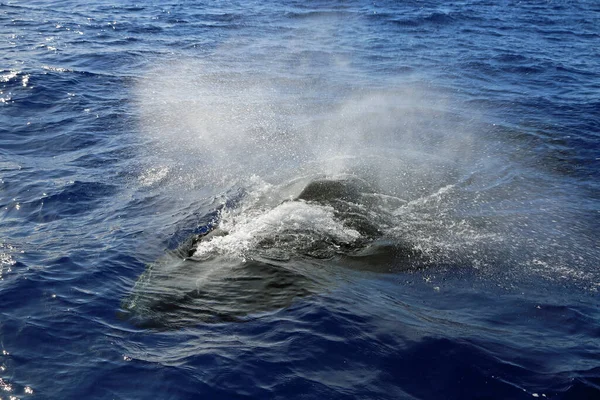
{"x":126,"y":128}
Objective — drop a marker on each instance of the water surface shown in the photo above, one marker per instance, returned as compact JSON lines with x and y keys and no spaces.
{"x":467,"y":267}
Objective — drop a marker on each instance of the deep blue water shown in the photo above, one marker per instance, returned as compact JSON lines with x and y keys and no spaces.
{"x":127,"y":127}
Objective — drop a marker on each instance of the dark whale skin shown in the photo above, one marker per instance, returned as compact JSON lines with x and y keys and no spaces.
{"x":349,"y":198}
{"x":166,"y":297}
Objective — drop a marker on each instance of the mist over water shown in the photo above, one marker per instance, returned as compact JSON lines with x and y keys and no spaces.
{"x":447,"y":185}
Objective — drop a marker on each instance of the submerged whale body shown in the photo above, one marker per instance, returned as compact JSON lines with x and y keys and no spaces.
{"x":287,"y":253}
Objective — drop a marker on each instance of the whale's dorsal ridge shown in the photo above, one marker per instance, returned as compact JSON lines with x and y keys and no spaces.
{"x":327,"y":190}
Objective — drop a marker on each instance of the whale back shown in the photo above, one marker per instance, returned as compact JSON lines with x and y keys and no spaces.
{"x":350,"y":199}
{"x":328,"y":190}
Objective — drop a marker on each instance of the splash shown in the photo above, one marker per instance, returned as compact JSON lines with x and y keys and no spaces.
{"x":213,"y":127}
{"x":445,"y":190}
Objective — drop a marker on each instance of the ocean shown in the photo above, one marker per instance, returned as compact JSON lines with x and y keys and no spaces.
{"x":300,"y":199}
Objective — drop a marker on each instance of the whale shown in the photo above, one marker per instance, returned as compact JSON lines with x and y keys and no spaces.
{"x":290,"y":251}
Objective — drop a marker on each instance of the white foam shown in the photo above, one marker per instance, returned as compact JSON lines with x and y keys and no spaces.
{"x":295,"y":220}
